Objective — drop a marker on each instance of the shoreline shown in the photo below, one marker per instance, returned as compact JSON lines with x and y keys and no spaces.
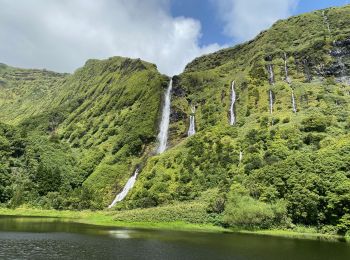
{"x":106,"y":219}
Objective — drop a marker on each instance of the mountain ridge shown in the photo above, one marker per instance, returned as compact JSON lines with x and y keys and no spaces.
{"x":75,"y":144}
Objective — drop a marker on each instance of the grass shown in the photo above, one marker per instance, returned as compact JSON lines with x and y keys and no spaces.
{"x":295,"y":234}
{"x":108,"y":218}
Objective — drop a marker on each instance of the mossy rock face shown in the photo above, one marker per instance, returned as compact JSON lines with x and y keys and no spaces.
{"x":87,"y":132}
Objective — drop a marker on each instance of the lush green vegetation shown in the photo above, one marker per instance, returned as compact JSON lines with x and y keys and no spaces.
{"x":72,"y":141}
{"x":101,"y":123}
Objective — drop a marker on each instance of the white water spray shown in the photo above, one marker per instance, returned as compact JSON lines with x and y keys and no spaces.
{"x":326,"y":22}
{"x":233,"y":101}
{"x":164,"y":123}
{"x":271,"y":101}
{"x":192,"y":128}
{"x":271,"y":75}
{"x":240,"y":156}
{"x":128,"y":186}
{"x":293,"y":102}
{"x":288,"y":80}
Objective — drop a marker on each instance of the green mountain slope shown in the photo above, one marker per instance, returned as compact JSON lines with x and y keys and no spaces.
{"x":72,"y":141}
{"x":104,"y":115}
{"x":299,"y":159}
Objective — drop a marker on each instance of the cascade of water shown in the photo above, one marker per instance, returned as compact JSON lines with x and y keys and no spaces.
{"x":128,"y":186}
{"x":293,"y":102}
{"x":192,"y":128}
{"x":286,"y":70}
{"x":342,"y":69}
{"x":271,"y":101}
{"x":325,"y":19}
{"x":164,"y":123}
{"x":271,"y":75}
{"x":240,"y":156}
{"x":233,"y":100}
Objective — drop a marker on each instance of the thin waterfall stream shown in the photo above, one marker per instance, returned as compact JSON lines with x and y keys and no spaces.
{"x":342,"y":76}
{"x":128,"y":186}
{"x":293,"y":102}
{"x":271,"y":101}
{"x":233,"y":101}
{"x":289,"y":81}
{"x":162,"y":139}
{"x":325,"y":19}
{"x":271,"y":74}
{"x":287,"y":78}
{"x":164,"y":123}
{"x":192,"y":128}
{"x":272,"y":82}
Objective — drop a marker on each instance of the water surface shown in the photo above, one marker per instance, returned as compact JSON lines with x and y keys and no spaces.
{"x":50,"y":238}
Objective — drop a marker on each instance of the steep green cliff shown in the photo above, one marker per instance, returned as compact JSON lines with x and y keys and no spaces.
{"x":72,"y":141}
{"x":296,"y":158}
{"x":101,"y":120}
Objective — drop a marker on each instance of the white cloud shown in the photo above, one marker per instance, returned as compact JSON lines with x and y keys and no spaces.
{"x":244,"y":19}
{"x":62,"y":34}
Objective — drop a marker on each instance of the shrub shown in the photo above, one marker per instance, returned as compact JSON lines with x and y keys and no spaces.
{"x":244,"y":211}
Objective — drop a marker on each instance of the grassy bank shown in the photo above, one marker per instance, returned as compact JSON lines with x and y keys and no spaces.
{"x":108,"y":218}
{"x":140,"y":219}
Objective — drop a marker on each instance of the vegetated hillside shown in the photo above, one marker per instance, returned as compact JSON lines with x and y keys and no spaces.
{"x":78,"y":151}
{"x":271,"y":166}
{"x":25,"y":92}
{"x":284,"y":161}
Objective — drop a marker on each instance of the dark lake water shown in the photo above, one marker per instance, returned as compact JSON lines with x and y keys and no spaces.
{"x":49,"y":238}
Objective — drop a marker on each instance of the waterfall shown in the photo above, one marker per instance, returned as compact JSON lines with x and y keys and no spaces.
{"x":271,"y":101}
{"x":271,"y":75}
{"x":233,"y":100}
{"x":293,"y":102}
{"x":342,"y":69}
{"x":240,"y":156}
{"x":164,"y":123}
{"x":325,"y":19}
{"x":192,"y":128}
{"x":128,"y":186}
{"x":286,"y":70}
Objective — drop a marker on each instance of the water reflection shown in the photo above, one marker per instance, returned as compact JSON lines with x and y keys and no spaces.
{"x":50,"y":238}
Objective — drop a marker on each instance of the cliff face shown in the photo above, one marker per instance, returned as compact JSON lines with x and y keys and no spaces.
{"x":289,"y":142}
{"x":105,"y":116}
{"x":291,"y":111}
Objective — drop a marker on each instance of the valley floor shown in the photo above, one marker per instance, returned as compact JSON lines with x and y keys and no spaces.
{"x":111,"y":218}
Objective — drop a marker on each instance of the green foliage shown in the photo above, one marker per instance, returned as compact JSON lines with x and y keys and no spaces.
{"x":189,"y":212}
{"x":244,"y":211}
{"x":72,"y":141}
{"x":47,"y":179}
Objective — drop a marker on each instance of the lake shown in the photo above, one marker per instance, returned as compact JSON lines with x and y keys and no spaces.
{"x":51,"y":238}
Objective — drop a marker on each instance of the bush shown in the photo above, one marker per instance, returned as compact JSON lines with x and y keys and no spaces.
{"x":246,"y":212}
{"x":315,"y":122}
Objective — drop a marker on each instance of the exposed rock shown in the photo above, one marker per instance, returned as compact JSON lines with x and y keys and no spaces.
{"x":177,"y":90}
{"x":177,"y":115}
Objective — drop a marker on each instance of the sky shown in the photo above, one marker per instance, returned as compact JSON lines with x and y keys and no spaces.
{"x":61,"y":35}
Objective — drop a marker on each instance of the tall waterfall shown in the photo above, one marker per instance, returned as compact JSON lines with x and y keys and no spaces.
{"x":192,"y":128}
{"x":164,"y":123}
{"x":286,"y":70}
{"x":128,"y":186}
{"x":240,"y":156}
{"x":233,"y":101}
{"x":293,"y":102}
{"x":325,"y":19}
{"x":271,"y":75}
{"x":271,"y":101}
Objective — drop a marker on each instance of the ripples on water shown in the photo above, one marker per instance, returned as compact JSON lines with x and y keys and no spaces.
{"x":42,"y":238}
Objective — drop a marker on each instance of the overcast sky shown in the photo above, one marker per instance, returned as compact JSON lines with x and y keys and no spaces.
{"x":61,"y":35}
